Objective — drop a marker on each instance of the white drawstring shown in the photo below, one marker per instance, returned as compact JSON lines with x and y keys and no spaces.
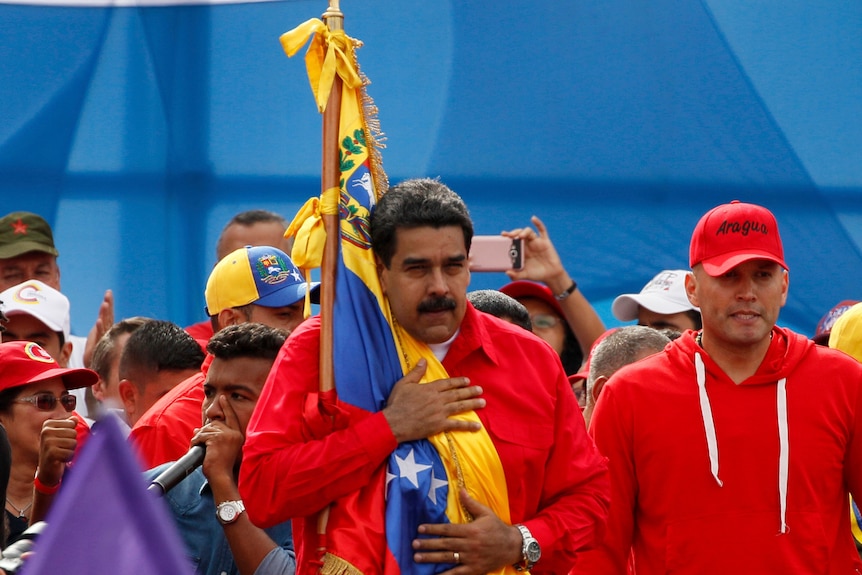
{"x":712,"y":442}
{"x":706,"y":415}
{"x":783,"y":452}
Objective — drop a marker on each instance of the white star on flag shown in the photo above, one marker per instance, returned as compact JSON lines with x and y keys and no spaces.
{"x":389,"y":478}
{"x":435,"y":485}
{"x":409,"y":469}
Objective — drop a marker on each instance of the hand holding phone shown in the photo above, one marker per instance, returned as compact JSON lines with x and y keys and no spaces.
{"x":496,"y":254}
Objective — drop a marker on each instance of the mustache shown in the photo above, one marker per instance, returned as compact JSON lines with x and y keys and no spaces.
{"x":436,"y":304}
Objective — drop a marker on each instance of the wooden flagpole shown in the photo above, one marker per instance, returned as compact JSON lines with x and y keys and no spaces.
{"x":330,"y":178}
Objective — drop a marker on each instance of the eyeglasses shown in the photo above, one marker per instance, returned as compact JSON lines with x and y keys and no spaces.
{"x":544,"y":321}
{"x":47,"y":401}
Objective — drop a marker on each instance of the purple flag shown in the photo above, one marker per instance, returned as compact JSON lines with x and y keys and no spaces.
{"x":104,"y":520}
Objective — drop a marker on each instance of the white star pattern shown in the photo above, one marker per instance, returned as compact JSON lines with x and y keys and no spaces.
{"x":389,"y":478}
{"x":409,"y":469}
{"x":435,"y":485}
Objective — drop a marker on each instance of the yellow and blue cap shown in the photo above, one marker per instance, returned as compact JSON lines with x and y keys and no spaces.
{"x":262,"y":275}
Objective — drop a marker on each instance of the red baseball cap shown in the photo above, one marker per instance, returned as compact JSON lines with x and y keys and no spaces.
{"x":520,"y":289}
{"x":734,"y":233}
{"x":24,"y":362}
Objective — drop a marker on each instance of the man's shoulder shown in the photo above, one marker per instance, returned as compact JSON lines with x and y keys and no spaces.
{"x":308,"y":328}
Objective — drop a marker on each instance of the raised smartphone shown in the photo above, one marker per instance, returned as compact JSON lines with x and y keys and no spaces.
{"x":495,"y":254}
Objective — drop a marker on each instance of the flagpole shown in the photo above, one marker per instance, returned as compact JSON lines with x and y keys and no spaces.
{"x":330,"y":178}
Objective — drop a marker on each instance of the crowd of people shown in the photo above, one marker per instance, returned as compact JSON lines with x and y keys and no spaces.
{"x":515,"y":432}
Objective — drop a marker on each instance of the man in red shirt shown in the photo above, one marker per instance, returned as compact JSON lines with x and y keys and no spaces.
{"x":553,"y":479}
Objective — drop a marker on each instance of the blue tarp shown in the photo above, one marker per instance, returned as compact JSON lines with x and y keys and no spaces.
{"x":139,"y":131}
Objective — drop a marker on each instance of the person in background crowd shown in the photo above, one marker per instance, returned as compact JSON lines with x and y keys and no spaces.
{"x":106,"y":362}
{"x":621,"y":347}
{"x":27,"y":252}
{"x":844,"y":327}
{"x":157,"y":356}
{"x":578,"y":381}
{"x":824,"y":326}
{"x":560,"y":313}
{"x":502,"y":306}
{"x":36,"y":412}
{"x":39,"y":313}
{"x":248,"y":228}
{"x":662,"y":303}
{"x":5,"y":470}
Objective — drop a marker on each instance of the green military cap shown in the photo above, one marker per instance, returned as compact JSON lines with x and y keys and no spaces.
{"x":22,"y":232}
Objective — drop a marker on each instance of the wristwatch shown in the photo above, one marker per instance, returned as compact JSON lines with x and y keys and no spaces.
{"x":530,"y":550}
{"x":229,"y":511}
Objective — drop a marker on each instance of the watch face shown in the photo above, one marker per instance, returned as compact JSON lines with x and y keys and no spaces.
{"x":227,"y":513}
{"x":533,"y":551}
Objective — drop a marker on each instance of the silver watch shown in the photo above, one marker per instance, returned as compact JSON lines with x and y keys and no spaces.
{"x":530,"y":550}
{"x":229,"y":511}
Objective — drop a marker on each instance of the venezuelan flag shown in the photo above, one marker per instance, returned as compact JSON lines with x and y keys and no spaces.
{"x":422,"y":478}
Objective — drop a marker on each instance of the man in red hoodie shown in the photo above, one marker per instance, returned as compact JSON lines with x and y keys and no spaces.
{"x":732,"y":451}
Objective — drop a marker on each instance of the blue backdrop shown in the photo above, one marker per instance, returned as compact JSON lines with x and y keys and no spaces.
{"x":139,"y":131}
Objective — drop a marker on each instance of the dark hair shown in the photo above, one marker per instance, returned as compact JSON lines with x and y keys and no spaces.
{"x":695,"y":317}
{"x":5,"y":469}
{"x":500,"y":305}
{"x":670,"y":333}
{"x":572,"y":356}
{"x":413,"y":204}
{"x":103,"y":353}
{"x":248,"y":219}
{"x":251,"y":217}
{"x":247,"y":340}
{"x":8,"y":397}
{"x":3,"y":318}
{"x":158,"y":346}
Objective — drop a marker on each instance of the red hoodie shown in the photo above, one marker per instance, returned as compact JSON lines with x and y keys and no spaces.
{"x":713,"y":477}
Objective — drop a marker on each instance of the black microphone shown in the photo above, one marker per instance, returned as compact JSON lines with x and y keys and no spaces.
{"x":178,"y":471}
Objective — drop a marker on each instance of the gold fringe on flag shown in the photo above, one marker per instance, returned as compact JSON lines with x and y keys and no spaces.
{"x":334,"y":565}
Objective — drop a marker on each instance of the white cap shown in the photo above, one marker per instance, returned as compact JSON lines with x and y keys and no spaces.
{"x":42,"y":302}
{"x":664,"y":294}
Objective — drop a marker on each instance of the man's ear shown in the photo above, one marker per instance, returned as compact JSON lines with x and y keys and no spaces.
{"x":691,"y":289}
{"x":99,"y":390}
{"x":785,"y":280}
{"x":129,"y":396}
{"x":65,"y":354}
{"x":230,"y":316}
{"x":598,"y":384}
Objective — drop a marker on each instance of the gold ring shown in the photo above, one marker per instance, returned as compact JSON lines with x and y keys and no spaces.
{"x":457,"y":557}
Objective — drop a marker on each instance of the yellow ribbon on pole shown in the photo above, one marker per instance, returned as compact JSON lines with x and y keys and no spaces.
{"x":330,"y":53}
